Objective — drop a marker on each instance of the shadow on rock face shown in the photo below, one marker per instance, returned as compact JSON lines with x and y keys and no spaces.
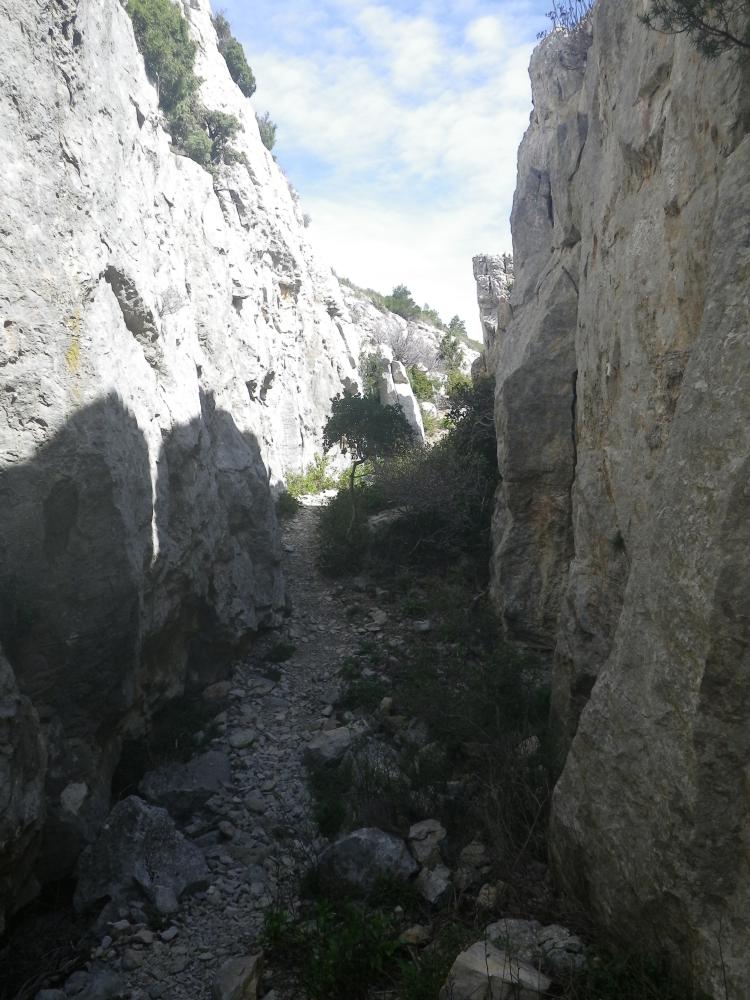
{"x":115,"y":594}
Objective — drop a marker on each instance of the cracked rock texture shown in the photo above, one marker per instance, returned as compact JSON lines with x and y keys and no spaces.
{"x":169,"y":345}
{"x":622,"y":527}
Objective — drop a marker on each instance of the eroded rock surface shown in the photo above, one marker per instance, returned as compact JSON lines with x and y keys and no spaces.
{"x":623,"y":415}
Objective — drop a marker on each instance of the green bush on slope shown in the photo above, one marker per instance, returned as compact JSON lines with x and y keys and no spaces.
{"x":169,"y":53}
{"x":163,"y":39}
{"x":234,"y":56}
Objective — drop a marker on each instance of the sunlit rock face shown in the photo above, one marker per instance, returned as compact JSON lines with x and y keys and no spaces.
{"x":623,"y":523}
{"x":169,"y":344}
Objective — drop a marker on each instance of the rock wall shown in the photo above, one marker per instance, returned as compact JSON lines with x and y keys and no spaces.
{"x":621,"y":533}
{"x":169,"y":345}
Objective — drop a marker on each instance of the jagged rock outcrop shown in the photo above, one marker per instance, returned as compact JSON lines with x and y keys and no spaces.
{"x":394,"y":389}
{"x":169,"y":344}
{"x":494,"y":277}
{"x":623,"y":412}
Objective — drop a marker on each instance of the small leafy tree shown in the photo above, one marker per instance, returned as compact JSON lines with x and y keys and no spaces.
{"x":401,"y":302}
{"x":457,"y":327}
{"x":365,"y":430}
{"x":267,"y":129}
{"x":713,"y":26}
{"x":221,"y":128}
{"x":450,"y":352}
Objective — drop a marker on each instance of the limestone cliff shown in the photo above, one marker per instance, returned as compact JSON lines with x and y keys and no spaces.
{"x":622,"y":527}
{"x":169,"y":344}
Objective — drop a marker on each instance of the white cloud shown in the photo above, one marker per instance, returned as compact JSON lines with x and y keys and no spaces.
{"x":401,"y":132}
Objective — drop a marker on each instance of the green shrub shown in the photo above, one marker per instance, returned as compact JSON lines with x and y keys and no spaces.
{"x":315,"y":479}
{"x":401,"y":302}
{"x":422,"y":385}
{"x":267,"y":129}
{"x":221,"y":128}
{"x":234,"y":55}
{"x":450,"y":352}
{"x":237,"y":64}
{"x":431,"y":424}
{"x":329,"y":787}
{"x":196,"y":145}
{"x":457,"y":380}
{"x":362,"y":478}
{"x":163,"y":38}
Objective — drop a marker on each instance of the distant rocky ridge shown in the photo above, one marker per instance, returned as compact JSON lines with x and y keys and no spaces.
{"x":622,"y":360}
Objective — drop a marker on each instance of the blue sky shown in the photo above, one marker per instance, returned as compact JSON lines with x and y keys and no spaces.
{"x":398,"y":123}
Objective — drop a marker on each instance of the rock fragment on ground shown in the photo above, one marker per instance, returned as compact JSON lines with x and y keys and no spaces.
{"x":363,"y":856}
{"x":553,"y":948}
{"x":425,"y":839}
{"x":182,"y":789}
{"x":484,"y":972}
{"x":238,"y":979}
{"x":434,"y":885}
{"x":139,"y":851}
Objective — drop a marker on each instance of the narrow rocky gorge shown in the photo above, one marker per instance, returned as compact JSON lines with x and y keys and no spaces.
{"x":170,"y":348}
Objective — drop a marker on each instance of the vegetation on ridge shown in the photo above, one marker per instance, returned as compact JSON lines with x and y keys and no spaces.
{"x":567,"y":15}
{"x":163,"y":38}
{"x":234,"y":55}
